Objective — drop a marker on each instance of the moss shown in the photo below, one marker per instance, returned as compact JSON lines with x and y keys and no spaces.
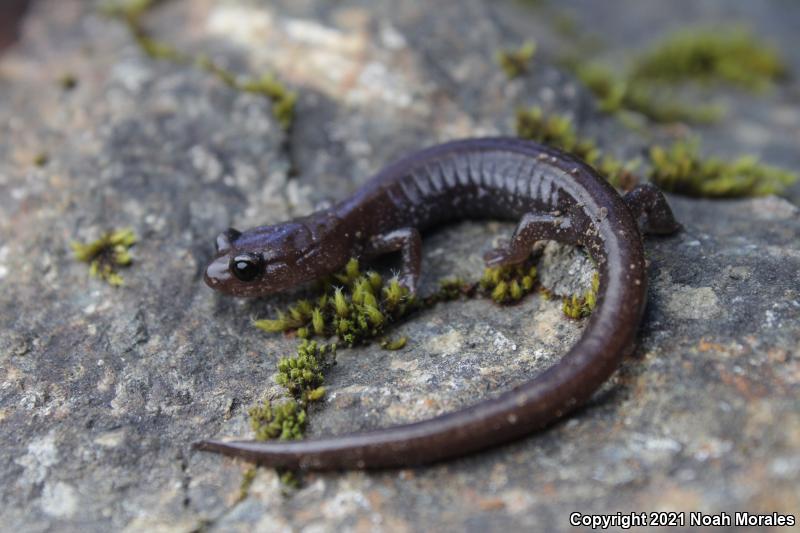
{"x":452,"y":289}
{"x":607,"y":88}
{"x":558,"y":131}
{"x":515,"y":63}
{"x":659,"y":107}
{"x":247,"y":481}
{"x":701,"y":55}
{"x":302,"y":374}
{"x":616,"y":93}
{"x":680,"y":168}
{"x":677,"y":169}
{"x":67,"y":81}
{"x":356,"y":311}
{"x":131,"y":13}
{"x":284,"y":421}
{"x":509,"y":284}
{"x":107,"y":254}
{"x":289,"y":479}
{"x":577,"y":307}
{"x":283,"y":100}
{"x":555,"y":130}
{"x":620,"y":174}
{"x":41,"y":159}
{"x":158,"y":49}
{"x":395,"y":344}
{"x":710,"y":55}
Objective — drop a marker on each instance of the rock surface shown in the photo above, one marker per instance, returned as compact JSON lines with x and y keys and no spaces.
{"x":103,"y":390}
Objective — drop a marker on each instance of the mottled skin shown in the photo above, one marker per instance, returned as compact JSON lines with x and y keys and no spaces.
{"x":554,"y":196}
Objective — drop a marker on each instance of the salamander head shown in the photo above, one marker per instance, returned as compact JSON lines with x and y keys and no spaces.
{"x":264,"y":260}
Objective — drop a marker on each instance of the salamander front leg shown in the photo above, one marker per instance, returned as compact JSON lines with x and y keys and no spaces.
{"x":651,"y":210}
{"x":533,"y":227}
{"x":409,"y":243}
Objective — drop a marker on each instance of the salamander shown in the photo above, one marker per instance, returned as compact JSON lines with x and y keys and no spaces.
{"x":552,"y":194}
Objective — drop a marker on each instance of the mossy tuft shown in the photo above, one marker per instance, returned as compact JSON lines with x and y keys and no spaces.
{"x":555,"y":130}
{"x":394,"y":344}
{"x":284,"y":421}
{"x":559,"y":132}
{"x":67,"y":81}
{"x":515,"y":63}
{"x":509,"y":284}
{"x":355,"y":306}
{"x":616,"y":93}
{"x":302,"y":374}
{"x":248,"y":477}
{"x":582,"y":306}
{"x":730,"y":55}
{"x":41,"y":159}
{"x":107,"y":254}
{"x":680,"y":169}
{"x":705,"y":56}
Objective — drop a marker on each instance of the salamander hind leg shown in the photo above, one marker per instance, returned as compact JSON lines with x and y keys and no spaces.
{"x":532,"y":228}
{"x":409,"y":243}
{"x":650,"y":209}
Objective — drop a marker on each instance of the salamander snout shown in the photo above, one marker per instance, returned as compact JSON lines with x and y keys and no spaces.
{"x":217,"y":273}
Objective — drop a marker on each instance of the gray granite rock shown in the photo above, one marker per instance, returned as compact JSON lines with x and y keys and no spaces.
{"x":103,"y":390}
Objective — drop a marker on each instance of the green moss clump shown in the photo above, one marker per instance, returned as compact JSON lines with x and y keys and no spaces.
{"x":620,"y":174}
{"x":711,"y":55}
{"x":302,"y":375}
{"x":515,"y":63}
{"x":451,"y":289}
{"x":289,"y":479}
{"x":354,"y":306}
{"x":700,"y":55}
{"x":607,"y":88}
{"x":577,"y":307}
{"x":657,"y":106}
{"x":107,"y":254}
{"x":283,"y":100}
{"x":509,"y":284}
{"x":41,"y":159}
{"x":555,"y":130}
{"x":558,"y":131}
{"x":680,"y":169}
{"x":247,"y":481}
{"x":284,"y":421}
{"x":615,"y":94}
{"x":67,"y":81}
{"x":395,"y":344}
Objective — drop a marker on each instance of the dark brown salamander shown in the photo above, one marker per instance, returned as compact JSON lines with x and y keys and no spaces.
{"x":554,"y":195}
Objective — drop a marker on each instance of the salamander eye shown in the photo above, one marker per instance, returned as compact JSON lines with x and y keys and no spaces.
{"x":246,"y":267}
